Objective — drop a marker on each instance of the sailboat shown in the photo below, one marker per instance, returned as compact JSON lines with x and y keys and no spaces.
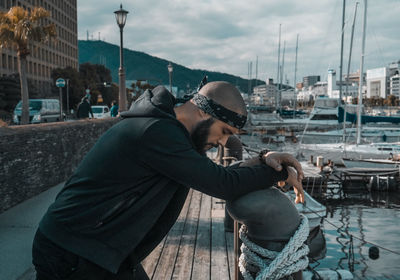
{"x":364,"y":132}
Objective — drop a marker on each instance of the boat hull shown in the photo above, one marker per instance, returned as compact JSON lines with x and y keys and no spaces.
{"x":370,"y":163}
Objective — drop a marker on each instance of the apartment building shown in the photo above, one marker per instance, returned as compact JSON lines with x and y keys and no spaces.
{"x":44,"y":57}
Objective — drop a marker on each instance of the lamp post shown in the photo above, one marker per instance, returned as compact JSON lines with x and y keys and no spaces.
{"x":120,"y":16}
{"x":68,"y":112}
{"x":170,"y":69}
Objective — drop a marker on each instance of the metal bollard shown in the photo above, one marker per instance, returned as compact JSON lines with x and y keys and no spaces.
{"x":271,"y":220}
{"x":233,"y":151}
{"x":320,"y":161}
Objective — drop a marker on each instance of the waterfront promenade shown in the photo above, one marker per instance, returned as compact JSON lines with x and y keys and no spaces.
{"x":17,"y":228}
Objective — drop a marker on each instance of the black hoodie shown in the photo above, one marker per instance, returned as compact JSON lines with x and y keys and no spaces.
{"x":129,"y":189}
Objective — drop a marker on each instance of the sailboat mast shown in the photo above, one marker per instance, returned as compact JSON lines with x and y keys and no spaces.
{"x":364,"y":27}
{"x":256,"y":69}
{"x":294,"y":79}
{"x":249,"y":72}
{"x":348,"y":71}
{"x":341,"y":54}
{"x":351,"y":46}
{"x":279,"y":66}
{"x":282,"y":71}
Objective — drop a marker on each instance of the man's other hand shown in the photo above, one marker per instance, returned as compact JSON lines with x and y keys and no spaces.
{"x":276,"y":160}
{"x":293,"y":181}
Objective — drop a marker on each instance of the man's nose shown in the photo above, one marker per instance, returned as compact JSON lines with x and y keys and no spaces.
{"x":222,"y":141}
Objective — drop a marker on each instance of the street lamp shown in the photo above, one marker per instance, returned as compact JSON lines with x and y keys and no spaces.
{"x":120,"y":16}
{"x":170,"y":69}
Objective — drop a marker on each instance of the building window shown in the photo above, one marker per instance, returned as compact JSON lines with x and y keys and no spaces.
{"x":375,"y":88}
{"x":9,"y":62}
{"x":4,"y":60}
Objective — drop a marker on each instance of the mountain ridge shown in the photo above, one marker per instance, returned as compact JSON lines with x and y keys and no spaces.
{"x":142,"y":66}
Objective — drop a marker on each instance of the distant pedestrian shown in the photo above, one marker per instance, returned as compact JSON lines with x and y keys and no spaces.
{"x":89,"y":97}
{"x":114,"y":109}
{"x":84,"y":109}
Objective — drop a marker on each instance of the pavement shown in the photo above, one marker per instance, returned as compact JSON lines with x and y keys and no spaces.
{"x":17,"y":229}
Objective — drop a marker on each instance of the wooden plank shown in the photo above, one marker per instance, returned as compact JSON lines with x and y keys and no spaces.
{"x":150,"y":263}
{"x":166,"y":262}
{"x":231,"y":254}
{"x":184,"y":260}
{"x":202,"y":255}
{"x":219,"y":258}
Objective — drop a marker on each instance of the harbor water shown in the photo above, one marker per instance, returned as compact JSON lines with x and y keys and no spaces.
{"x":354,"y":223}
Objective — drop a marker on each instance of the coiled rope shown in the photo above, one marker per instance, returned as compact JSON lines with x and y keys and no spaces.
{"x":266,"y":264}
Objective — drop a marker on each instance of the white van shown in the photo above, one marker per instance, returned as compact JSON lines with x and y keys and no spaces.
{"x":40,"y":111}
{"x":101,"y":112}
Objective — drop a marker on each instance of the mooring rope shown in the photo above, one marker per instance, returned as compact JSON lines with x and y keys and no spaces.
{"x":267,"y":264}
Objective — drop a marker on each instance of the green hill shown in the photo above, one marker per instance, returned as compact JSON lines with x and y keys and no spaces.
{"x":141,"y":66}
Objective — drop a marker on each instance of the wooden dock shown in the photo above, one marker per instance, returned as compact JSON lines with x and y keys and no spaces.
{"x":197,"y":246}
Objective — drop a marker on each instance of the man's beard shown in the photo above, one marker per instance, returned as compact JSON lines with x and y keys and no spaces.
{"x":200,"y":135}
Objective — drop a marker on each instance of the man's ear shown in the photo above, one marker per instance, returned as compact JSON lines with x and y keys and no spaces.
{"x":202,"y":114}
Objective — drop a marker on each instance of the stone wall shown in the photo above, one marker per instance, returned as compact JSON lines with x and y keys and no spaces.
{"x":34,"y":158}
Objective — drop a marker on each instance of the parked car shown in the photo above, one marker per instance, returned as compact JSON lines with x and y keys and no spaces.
{"x":40,"y":111}
{"x":101,"y":112}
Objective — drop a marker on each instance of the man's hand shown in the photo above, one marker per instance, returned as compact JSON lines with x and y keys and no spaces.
{"x":276,"y":160}
{"x":293,"y":181}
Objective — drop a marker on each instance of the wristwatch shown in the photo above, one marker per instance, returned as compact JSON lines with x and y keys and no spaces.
{"x":261,"y":155}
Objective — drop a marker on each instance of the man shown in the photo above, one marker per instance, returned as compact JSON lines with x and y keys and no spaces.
{"x":114,"y":109}
{"x":129,"y":189}
{"x":84,"y":109}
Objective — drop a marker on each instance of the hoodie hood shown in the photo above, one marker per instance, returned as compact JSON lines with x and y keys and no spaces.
{"x":158,"y":102}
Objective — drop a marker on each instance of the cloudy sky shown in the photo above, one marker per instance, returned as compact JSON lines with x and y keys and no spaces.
{"x":224,"y":36}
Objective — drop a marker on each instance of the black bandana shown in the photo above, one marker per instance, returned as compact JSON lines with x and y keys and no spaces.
{"x":218,"y":111}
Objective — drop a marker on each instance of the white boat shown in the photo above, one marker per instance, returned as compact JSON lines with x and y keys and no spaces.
{"x":259,"y":118}
{"x":324,"y":114}
{"x":379,"y":164}
{"x":325,"y":109}
{"x":311,"y":208}
{"x":368,"y":134}
{"x":336,"y":152}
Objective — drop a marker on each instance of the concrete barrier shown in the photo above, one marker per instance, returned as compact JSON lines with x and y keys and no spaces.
{"x":34,"y":158}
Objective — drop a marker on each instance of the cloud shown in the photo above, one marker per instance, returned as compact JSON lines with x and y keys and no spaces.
{"x":223,"y":35}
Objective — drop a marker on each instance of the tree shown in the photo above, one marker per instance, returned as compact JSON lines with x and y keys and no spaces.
{"x":19,"y":28}
{"x":75,"y":84}
{"x":391,"y":100}
{"x":138,"y":88}
{"x":97,"y":78}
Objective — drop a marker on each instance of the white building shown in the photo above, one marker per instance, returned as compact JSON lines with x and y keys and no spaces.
{"x":332,"y":86}
{"x":395,"y":85}
{"x":289,"y":95}
{"x":320,"y":89}
{"x":312,"y":92}
{"x":377,"y":82}
{"x":264,"y":94}
{"x":305,"y":95}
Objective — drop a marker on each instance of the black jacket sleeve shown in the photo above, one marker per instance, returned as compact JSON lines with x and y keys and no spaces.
{"x":168,"y":150}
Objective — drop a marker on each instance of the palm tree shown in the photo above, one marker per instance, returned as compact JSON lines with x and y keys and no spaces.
{"x":18,"y":29}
